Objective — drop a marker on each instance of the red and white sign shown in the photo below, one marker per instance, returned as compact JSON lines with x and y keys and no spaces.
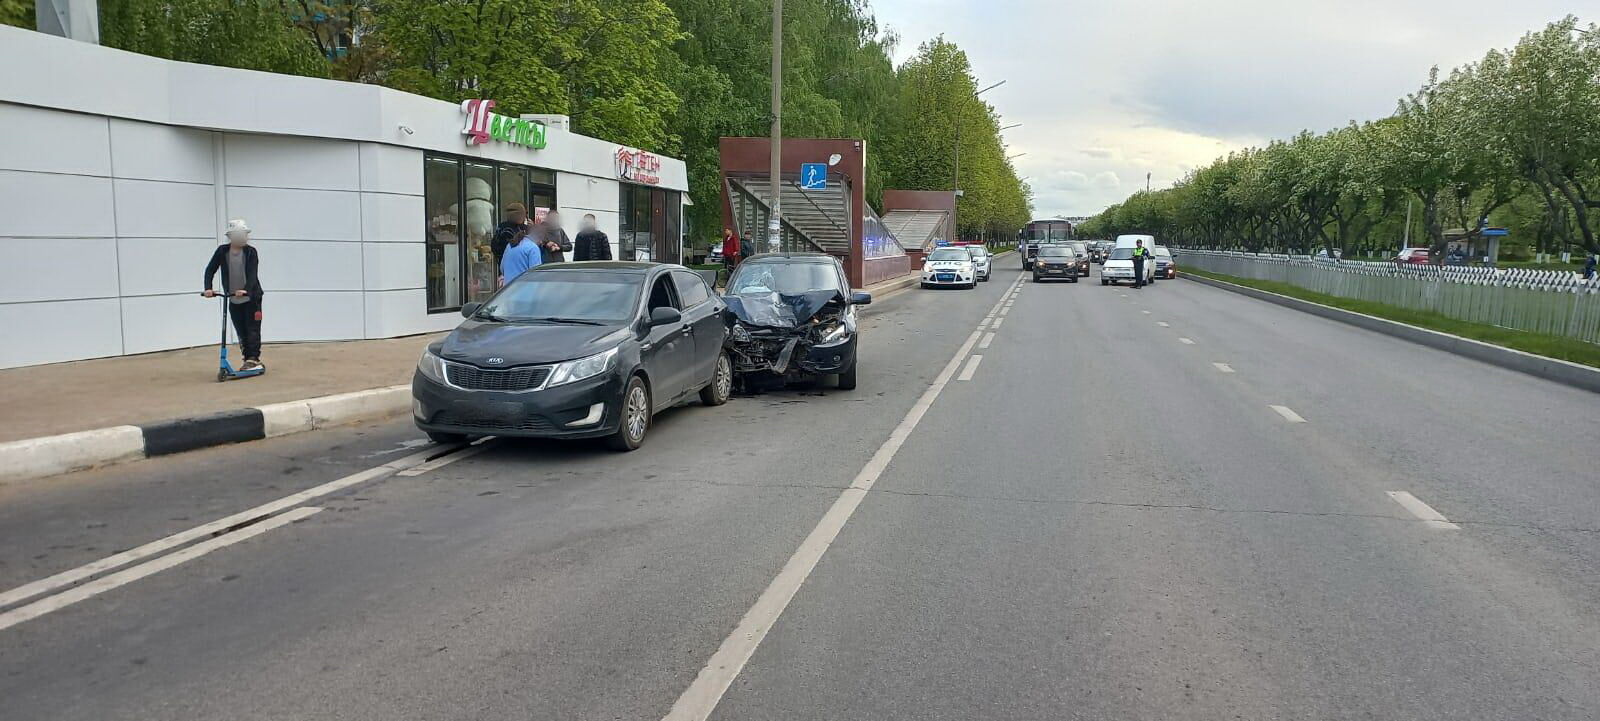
{"x":638,"y":166}
{"x":479,"y":114}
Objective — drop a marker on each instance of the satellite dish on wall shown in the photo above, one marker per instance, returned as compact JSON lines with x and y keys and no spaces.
{"x":834,"y":159}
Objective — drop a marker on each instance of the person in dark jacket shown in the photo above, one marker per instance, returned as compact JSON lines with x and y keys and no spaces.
{"x":514,"y":226}
{"x":1589,"y":267}
{"x":553,"y":239}
{"x":238,"y":261}
{"x":746,"y":249}
{"x":592,"y":243}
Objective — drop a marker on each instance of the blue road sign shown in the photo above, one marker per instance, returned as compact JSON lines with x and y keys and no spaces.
{"x":813,"y":176}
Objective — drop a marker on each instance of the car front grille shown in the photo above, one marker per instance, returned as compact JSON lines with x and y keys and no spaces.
{"x":529,"y":424}
{"x":483,"y":379}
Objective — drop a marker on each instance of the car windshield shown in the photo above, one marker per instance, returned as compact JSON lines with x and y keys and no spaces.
{"x":950,"y":254}
{"x":565,"y":296}
{"x":787,"y":277}
{"x":1162,"y":252}
{"x":1055,"y":252}
{"x":1122,"y":254}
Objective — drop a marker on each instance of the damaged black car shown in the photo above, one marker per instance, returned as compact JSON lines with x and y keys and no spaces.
{"x":791,"y":316}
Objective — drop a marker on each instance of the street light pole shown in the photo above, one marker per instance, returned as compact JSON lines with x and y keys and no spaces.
{"x":775,"y":183}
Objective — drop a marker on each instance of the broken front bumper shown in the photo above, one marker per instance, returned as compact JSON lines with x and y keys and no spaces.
{"x":791,"y":354}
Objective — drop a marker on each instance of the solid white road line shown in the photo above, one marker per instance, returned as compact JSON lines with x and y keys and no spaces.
{"x":1225,"y":368}
{"x":984,"y":322}
{"x":972,"y":367}
{"x":987,"y":339}
{"x":1421,"y":510}
{"x":1185,"y":341}
{"x":1288,"y":415}
{"x":1163,"y":324}
{"x":997,"y":323}
{"x":478,"y":446}
{"x":1004,"y":310}
{"x":69,"y":577}
{"x":703,"y":695}
{"x":101,"y":585}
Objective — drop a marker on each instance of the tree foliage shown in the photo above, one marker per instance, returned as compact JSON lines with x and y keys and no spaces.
{"x":1513,"y":138}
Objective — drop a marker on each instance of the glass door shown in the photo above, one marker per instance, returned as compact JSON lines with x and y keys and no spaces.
{"x":483,"y":212}
{"x":441,"y":189}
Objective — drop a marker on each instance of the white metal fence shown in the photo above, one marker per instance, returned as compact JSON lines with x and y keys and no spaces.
{"x":1541,"y":301}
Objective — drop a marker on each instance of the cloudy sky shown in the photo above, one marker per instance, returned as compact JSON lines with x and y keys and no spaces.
{"x":1109,"y":91}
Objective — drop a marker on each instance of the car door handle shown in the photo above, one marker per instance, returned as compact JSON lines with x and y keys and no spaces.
{"x":688,"y":329}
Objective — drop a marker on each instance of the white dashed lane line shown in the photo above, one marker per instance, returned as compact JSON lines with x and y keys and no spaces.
{"x":1225,"y":368}
{"x":1421,"y":510}
{"x":1288,"y":415}
{"x":1163,"y":324}
{"x":987,"y":339}
{"x":1185,"y":341}
{"x":997,"y":323}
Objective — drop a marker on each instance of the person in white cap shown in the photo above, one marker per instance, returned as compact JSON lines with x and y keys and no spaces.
{"x":238,"y":261}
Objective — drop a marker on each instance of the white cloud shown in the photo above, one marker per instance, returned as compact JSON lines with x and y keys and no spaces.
{"x":1107,"y":179}
{"x":1164,"y":86}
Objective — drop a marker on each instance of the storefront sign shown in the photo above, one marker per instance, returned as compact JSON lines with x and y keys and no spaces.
{"x":483,"y":125}
{"x":638,"y":166}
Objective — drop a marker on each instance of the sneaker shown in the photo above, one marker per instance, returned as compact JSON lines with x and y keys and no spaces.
{"x":250,"y":365}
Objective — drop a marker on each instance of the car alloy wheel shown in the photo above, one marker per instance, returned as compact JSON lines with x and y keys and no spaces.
{"x":635,"y":420}
{"x":716,"y":393}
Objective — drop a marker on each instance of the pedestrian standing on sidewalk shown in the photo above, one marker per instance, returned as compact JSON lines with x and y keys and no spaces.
{"x":515,"y":225}
{"x":746,"y":249}
{"x":521,"y":256}
{"x":553,"y":239}
{"x":1140,"y":255}
{"x":238,"y":261}
{"x":1589,"y":268}
{"x":592,"y":243}
{"x":730,"y":249}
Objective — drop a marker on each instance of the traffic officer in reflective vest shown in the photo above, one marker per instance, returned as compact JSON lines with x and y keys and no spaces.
{"x":1140,"y":255}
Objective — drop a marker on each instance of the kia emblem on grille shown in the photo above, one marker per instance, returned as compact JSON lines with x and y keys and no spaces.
{"x":496,"y":361}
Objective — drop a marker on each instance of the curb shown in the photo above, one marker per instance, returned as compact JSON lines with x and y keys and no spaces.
{"x":54,"y":455}
{"x":1551,"y":369}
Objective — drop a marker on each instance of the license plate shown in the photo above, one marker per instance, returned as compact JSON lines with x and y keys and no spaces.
{"x":944,"y":277}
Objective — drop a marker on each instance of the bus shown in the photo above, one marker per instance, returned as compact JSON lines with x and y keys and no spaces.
{"x":1050,"y":230}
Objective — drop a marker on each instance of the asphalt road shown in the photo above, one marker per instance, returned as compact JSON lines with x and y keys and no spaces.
{"x":1094,"y":521}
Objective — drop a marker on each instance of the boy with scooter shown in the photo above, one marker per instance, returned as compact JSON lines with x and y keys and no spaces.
{"x":238,"y":262}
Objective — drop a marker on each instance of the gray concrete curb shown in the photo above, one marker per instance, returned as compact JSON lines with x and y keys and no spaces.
{"x":53,"y":455}
{"x":1552,"y":369}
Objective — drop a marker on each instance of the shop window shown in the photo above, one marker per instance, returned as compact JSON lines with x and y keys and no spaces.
{"x":465,"y":202}
{"x":441,"y":188}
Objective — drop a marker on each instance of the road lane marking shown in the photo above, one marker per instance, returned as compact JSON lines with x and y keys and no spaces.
{"x":1288,"y":415}
{"x":972,"y":367}
{"x":1225,"y":368}
{"x":1185,"y":341}
{"x":1421,"y":510}
{"x":1146,"y":312}
{"x":987,"y":339}
{"x":1004,"y":311}
{"x":71,"y":576}
{"x":478,"y":446}
{"x":708,"y":687}
{"x":984,"y":322}
{"x":128,"y":575}
{"x":997,"y":323}
{"x":1163,"y":324}
{"x":1122,"y":295}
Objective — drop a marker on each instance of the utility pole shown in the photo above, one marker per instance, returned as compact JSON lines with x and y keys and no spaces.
{"x":1407,"y":242}
{"x":775,"y":183}
{"x":1146,"y":182}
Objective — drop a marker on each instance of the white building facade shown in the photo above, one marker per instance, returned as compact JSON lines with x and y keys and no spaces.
{"x":372,"y":209}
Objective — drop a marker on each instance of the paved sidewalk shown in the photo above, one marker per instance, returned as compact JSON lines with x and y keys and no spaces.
{"x":82,"y":395}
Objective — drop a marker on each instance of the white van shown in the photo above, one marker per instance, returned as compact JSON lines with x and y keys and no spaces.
{"x":1119,"y":265}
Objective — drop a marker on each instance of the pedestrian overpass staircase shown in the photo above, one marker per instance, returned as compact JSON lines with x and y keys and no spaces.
{"x":812,"y":220}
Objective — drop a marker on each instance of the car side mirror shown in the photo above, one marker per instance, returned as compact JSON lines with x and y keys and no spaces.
{"x":860,"y":298}
{"x":468,"y":309}
{"x":664,"y":316}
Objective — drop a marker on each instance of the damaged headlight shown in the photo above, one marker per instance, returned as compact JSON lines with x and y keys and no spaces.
{"x":833,"y":333}
{"x":740,"y":334}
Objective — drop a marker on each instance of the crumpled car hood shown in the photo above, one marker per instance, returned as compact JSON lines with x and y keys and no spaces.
{"x":779,"y":310}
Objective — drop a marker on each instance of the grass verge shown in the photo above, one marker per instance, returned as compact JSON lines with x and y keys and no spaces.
{"x":1550,"y":346}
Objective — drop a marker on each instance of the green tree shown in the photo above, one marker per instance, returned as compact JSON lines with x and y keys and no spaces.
{"x":253,"y":34}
